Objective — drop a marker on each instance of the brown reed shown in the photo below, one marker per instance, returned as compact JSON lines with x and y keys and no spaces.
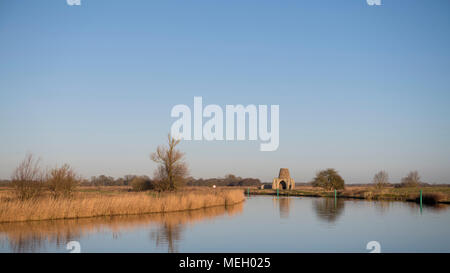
{"x":126,"y":203}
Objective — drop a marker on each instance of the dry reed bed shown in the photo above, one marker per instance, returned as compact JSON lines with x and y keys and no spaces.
{"x":26,"y":235}
{"x":93,"y":205}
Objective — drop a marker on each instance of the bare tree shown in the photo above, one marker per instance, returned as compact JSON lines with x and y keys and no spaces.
{"x":381,"y":179}
{"x":411,"y":180}
{"x":28,"y":178}
{"x":62,"y":181}
{"x":172,"y":169}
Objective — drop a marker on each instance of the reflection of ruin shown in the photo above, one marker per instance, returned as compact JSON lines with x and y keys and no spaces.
{"x":328,"y":209}
{"x":284,"y":180}
{"x":284,"y":207}
{"x":283,"y":204}
{"x":34,"y":236}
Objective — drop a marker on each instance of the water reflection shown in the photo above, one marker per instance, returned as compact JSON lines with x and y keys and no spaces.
{"x":328,"y":209}
{"x":34,"y":236}
{"x":168,"y":234}
{"x":436,"y":207}
{"x":385,"y":206}
{"x":283,"y":204}
{"x":382,"y":207}
{"x":312,"y":224}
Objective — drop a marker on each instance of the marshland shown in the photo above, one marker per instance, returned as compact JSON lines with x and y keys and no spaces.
{"x":430,"y":194}
{"x":105,"y":202}
{"x":260,"y":224}
{"x":46,"y":209}
{"x":37,"y":193}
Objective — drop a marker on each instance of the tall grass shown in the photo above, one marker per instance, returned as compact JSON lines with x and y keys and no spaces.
{"x":29,"y":236}
{"x":92,"y":205}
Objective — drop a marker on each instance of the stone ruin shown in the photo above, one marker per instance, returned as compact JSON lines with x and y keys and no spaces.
{"x":284,"y":180}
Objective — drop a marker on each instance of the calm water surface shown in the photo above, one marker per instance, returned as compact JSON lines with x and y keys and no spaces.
{"x":261,"y":224}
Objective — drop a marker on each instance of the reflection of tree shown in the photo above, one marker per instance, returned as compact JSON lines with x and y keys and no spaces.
{"x":33,"y":236}
{"x":328,"y":209}
{"x":415,"y":207}
{"x":436,"y":207}
{"x":284,"y":207}
{"x":170,"y":229}
{"x":382,"y":206}
{"x":168,"y":234}
{"x":23,"y":244}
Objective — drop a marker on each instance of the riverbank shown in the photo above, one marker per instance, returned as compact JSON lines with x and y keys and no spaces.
{"x":112,"y":203}
{"x":430,"y":195}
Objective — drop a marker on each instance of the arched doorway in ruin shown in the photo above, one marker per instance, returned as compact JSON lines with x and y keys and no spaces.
{"x":284,"y":181}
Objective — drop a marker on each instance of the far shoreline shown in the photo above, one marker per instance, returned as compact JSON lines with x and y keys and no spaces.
{"x":431,"y":195}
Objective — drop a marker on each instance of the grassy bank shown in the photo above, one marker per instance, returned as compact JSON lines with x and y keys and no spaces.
{"x":99,"y":203}
{"x":431,"y":195}
{"x":30,"y":235}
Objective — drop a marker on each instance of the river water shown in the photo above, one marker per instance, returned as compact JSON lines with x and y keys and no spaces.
{"x":260,"y":224}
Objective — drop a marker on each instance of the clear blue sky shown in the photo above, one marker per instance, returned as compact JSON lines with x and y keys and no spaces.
{"x":360,"y":88}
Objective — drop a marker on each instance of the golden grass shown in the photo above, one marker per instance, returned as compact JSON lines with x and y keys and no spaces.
{"x":120,"y":203}
{"x":30,"y":235}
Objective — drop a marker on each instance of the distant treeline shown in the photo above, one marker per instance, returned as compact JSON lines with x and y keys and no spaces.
{"x":104,"y":180}
{"x":5,"y":183}
{"x":395,"y":185}
{"x":101,"y":180}
{"x":228,"y":180}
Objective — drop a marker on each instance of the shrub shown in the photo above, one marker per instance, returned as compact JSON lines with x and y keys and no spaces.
{"x":381,"y":179}
{"x":411,"y":180}
{"x":431,"y":198}
{"x":142,"y":183}
{"x":328,"y":179}
{"x":27,"y":179}
{"x":62,"y":181}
